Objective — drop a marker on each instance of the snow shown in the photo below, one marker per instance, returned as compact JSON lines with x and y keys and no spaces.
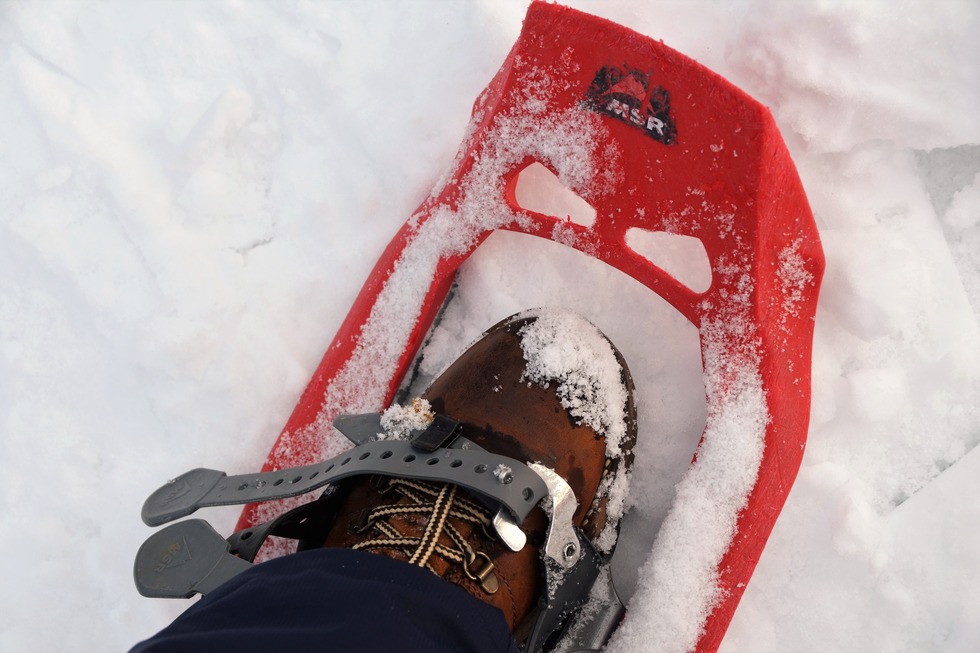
{"x":565,"y":350}
{"x":399,"y":422}
{"x":191,"y":194}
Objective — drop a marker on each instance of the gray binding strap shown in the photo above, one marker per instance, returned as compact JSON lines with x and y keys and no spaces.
{"x":184,"y":559}
{"x":473,"y":469}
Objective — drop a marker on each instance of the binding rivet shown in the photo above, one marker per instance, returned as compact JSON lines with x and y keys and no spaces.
{"x":570,"y":551}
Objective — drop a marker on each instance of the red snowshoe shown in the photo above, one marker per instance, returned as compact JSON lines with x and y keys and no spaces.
{"x":653,"y":142}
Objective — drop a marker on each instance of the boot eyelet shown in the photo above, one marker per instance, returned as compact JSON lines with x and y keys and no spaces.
{"x":483,"y":574}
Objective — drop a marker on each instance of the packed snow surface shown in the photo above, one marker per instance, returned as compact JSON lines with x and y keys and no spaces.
{"x":191,"y":195}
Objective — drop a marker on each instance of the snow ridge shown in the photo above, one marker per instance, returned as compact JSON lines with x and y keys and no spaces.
{"x":679,"y":584}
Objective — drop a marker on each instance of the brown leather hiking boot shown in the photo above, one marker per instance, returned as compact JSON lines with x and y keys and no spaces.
{"x":540,"y":387}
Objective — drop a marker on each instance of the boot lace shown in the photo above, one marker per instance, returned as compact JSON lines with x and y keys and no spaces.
{"x":443,"y":505}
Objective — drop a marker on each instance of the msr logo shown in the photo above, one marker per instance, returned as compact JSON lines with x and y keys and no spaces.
{"x":630,"y":95}
{"x":174,"y":554}
{"x":175,"y":489}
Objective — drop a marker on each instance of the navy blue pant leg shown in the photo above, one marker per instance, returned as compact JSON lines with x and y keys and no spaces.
{"x":335,"y":600}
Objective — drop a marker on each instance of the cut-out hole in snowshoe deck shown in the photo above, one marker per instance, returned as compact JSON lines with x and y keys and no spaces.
{"x":682,"y":257}
{"x":538,"y":189}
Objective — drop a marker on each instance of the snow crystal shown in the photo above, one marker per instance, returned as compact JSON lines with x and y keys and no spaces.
{"x":399,"y":421}
{"x":793,"y":279}
{"x":679,"y":583}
